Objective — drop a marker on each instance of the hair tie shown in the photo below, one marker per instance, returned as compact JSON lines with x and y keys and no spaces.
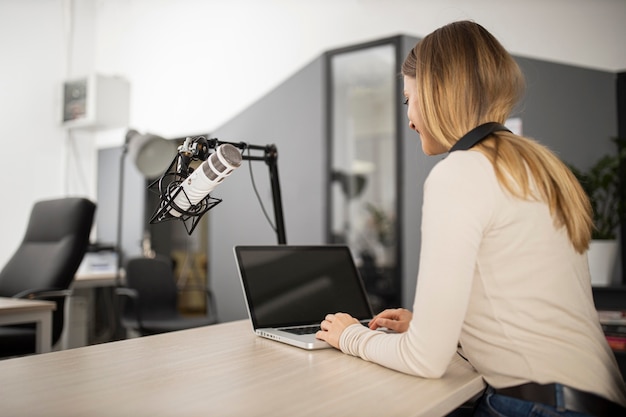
{"x":477,"y":134}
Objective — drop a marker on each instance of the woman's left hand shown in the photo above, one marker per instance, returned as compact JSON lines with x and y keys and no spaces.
{"x":332,"y":327}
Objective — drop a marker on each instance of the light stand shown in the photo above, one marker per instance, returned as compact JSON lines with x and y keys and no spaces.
{"x":149,"y":153}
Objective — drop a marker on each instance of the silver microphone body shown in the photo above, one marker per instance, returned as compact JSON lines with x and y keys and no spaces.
{"x":219,"y":165}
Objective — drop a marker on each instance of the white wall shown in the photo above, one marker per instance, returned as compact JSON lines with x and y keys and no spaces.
{"x":37,"y":155}
{"x":194,"y":64}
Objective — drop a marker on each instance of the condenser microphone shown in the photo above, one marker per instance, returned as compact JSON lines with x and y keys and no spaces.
{"x":199,"y":184}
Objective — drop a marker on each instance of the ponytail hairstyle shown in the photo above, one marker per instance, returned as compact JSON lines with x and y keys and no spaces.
{"x":466,"y":78}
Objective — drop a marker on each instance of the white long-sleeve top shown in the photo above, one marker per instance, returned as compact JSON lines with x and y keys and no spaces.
{"x":497,"y":276}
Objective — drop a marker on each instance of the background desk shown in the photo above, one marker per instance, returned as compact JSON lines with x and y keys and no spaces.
{"x":80,"y":315}
{"x":221,"y":370}
{"x":19,"y":311}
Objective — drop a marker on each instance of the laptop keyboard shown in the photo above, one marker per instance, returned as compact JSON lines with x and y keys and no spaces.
{"x":303,"y":329}
{"x":311,"y":329}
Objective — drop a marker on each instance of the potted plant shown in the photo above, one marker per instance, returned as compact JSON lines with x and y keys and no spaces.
{"x":603,"y":186}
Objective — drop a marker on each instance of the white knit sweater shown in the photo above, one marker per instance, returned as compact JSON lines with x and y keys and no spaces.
{"x":496,"y":275}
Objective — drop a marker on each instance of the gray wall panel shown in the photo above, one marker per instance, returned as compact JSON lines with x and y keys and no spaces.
{"x":290,"y":117}
{"x":570,"y":109}
{"x":133,"y":202}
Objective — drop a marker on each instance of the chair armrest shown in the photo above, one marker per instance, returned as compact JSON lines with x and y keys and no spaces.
{"x":35,"y":294}
{"x":128,"y":292}
{"x":133,"y":294}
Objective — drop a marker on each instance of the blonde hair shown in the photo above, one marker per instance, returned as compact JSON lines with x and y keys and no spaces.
{"x":465,"y":78}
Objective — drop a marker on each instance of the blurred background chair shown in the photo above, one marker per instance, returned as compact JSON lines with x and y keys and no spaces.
{"x":44,"y":264}
{"x":150,"y":299}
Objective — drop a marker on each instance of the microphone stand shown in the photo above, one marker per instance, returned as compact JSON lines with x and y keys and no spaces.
{"x":270,"y":157}
{"x":169,"y":185}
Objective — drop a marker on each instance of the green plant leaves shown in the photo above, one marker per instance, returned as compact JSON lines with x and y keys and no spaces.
{"x":603,"y":186}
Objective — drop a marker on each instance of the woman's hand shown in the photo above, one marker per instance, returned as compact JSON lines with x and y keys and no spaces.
{"x":332,"y":327}
{"x":396,"y":319}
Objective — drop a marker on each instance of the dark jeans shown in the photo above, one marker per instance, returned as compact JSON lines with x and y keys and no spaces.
{"x":495,"y":405}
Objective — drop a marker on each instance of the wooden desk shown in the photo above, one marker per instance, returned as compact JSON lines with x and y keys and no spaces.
{"x":18,"y":311}
{"x":221,"y":370}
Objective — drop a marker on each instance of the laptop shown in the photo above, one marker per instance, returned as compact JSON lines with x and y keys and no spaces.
{"x":290,"y":289}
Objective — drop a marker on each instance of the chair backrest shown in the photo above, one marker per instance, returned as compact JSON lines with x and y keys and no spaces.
{"x":56,"y":239}
{"x":153,"y":279}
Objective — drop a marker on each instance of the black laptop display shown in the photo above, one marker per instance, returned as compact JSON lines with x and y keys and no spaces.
{"x":295,"y":286}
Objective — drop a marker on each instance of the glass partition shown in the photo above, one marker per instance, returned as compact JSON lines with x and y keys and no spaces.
{"x":363,"y":163}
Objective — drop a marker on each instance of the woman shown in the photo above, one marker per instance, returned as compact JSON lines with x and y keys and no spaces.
{"x":503,"y":265}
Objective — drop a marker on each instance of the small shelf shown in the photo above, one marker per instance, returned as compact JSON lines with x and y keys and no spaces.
{"x":612,"y":298}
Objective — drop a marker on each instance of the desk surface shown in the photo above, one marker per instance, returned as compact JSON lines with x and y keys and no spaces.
{"x":221,"y":370}
{"x":94,"y":279}
{"x":19,"y":305}
{"x":18,"y":311}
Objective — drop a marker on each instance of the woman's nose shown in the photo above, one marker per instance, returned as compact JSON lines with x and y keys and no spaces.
{"x":411,"y":125}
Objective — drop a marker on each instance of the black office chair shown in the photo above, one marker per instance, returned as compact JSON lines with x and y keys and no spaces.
{"x":44,"y":264}
{"x":150,"y":299}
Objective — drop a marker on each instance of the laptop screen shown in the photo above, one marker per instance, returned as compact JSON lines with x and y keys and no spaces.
{"x":299,"y":285}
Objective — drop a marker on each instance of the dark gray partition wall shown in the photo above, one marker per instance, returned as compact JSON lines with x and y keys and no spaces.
{"x":570,"y":109}
{"x":621,"y":131}
{"x":416,"y":169}
{"x":133,"y":213}
{"x":291,"y":117}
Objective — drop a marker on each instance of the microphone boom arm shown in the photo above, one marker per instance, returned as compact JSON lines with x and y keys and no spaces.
{"x":190,"y":217}
{"x":270,"y":156}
